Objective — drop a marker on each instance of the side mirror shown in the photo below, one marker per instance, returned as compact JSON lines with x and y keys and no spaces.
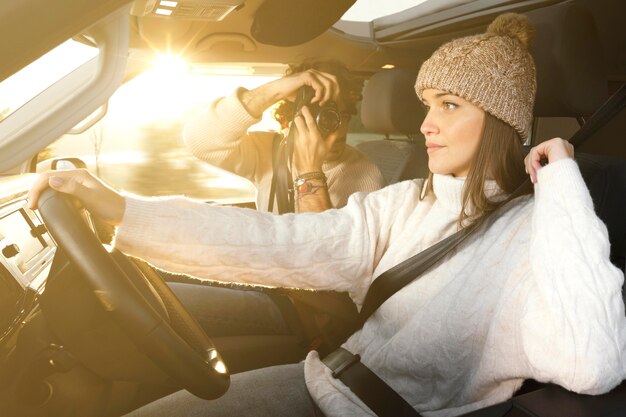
{"x":67,"y":163}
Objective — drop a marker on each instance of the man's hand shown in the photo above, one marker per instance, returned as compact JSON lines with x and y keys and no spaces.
{"x":310,"y":148}
{"x":551,"y":150}
{"x":101,"y":200}
{"x":325,"y":85}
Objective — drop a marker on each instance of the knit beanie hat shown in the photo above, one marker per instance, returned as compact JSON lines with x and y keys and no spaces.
{"x":493,"y":70}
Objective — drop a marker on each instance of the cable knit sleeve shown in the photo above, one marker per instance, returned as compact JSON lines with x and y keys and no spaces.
{"x":336,"y":249}
{"x":219,"y":136}
{"x":573,"y":329}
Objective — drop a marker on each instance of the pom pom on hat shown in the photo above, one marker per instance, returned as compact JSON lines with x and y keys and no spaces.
{"x":515,"y":26}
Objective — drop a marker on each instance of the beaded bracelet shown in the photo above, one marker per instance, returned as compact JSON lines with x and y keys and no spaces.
{"x":314,"y":175}
{"x":304,"y":187}
{"x":306,"y":177}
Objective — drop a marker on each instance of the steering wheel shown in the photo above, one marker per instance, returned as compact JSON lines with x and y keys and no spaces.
{"x":188,"y":356}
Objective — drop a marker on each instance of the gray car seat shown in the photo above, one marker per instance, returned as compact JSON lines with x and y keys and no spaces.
{"x":390,"y":107}
{"x":567,"y":39}
{"x":571,"y":84}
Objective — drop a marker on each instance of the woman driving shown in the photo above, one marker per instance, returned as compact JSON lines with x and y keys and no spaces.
{"x":531,"y":295}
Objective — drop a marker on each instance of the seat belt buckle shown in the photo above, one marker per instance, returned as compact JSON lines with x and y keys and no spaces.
{"x":345,"y":365}
{"x":340,"y":360}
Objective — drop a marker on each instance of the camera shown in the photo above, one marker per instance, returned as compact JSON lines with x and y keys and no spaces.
{"x":327,"y":117}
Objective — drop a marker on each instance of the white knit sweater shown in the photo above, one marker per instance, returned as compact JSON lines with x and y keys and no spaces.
{"x":534,"y":296}
{"x":219,"y":136}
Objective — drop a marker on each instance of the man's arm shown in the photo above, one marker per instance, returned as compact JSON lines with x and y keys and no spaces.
{"x":219,"y":135}
{"x":258,"y":100}
{"x":310,"y":150}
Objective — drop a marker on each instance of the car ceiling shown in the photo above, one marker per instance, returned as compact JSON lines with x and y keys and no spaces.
{"x":252,"y":32}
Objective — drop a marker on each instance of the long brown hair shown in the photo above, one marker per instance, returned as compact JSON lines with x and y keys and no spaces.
{"x":499,"y":157}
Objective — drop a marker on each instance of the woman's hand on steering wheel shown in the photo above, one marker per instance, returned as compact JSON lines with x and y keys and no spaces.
{"x":97,"y":197}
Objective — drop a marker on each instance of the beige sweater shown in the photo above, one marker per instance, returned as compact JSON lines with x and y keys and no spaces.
{"x":219,"y":136}
{"x":533,"y":296}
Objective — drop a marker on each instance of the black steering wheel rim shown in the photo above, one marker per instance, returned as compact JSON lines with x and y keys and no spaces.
{"x":199,"y":369}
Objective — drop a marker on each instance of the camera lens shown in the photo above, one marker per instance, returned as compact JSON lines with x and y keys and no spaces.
{"x":328,"y":120}
{"x":327,"y":117}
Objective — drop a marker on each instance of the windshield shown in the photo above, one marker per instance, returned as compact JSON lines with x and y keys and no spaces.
{"x":138,"y":147}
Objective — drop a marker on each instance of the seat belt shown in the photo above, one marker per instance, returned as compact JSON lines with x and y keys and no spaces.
{"x":281,"y":189}
{"x":611,"y":108}
{"x":348,"y":368}
{"x":275,"y":145}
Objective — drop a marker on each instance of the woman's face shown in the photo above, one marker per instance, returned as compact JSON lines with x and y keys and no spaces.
{"x":453,"y":128}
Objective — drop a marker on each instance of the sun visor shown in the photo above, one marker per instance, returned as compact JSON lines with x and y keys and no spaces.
{"x":571,"y":76}
{"x":293,"y":22}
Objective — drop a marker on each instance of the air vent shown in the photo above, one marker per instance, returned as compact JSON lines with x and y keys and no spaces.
{"x":208,"y":10}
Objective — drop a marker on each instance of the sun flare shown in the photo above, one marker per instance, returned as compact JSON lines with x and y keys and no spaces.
{"x":170,"y":66}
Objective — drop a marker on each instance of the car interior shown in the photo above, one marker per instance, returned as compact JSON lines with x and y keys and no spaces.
{"x":88,"y":331}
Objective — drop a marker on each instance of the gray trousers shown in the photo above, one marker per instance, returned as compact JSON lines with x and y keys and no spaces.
{"x":246,"y":324}
{"x":277,"y":391}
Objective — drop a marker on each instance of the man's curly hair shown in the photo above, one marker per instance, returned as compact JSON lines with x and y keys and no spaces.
{"x":350,"y":86}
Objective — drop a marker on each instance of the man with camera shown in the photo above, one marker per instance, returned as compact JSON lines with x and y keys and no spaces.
{"x":324,"y":171}
{"x":307,"y":172}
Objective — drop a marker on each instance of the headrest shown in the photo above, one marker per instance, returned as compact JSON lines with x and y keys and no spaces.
{"x":390,"y":104}
{"x":571,"y":76}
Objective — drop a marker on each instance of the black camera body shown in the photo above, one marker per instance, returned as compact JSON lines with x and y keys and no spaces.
{"x":327,"y":117}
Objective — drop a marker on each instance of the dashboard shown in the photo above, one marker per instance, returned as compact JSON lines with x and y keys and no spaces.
{"x":59,"y":351}
{"x":26,"y":253}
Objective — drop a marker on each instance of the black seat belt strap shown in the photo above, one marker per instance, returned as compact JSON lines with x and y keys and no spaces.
{"x":281,"y":188}
{"x":348,"y":368}
{"x":397,"y":277}
{"x":612,"y":107}
{"x":275,"y":145}
{"x":372,"y":390}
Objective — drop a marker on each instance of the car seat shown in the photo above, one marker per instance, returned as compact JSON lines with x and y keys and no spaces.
{"x":390,"y":106}
{"x":571,"y":82}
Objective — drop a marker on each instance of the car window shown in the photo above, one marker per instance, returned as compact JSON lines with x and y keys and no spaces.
{"x":368,"y":10}
{"x":27,"y":83}
{"x":138,"y":148}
